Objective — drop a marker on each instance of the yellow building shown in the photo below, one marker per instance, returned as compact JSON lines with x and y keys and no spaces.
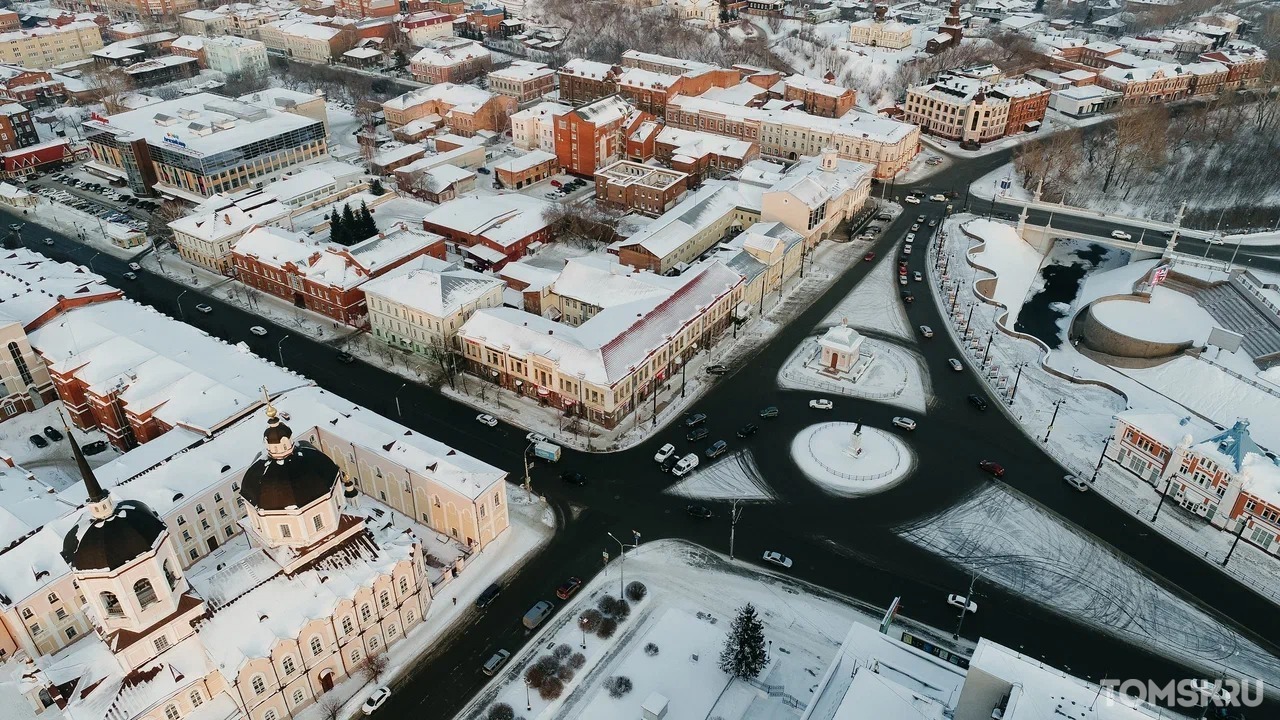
{"x":44,"y":47}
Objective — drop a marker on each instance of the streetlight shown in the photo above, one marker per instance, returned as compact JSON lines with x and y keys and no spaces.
{"x":280,"y":348}
{"x":622,"y":550}
{"x":1056,"y":404}
{"x":528,"y":482}
{"x":582,"y":625}
{"x":178,"y":301}
{"x":680,"y":364}
{"x":402,"y":387}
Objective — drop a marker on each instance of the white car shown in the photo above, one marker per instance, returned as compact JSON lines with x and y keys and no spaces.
{"x":134,"y":266}
{"x":905,"y":423}
{"x":926,"y":331}
{"x":1215,"y":240}
{"x":537,"y":437}
{"x":955,"y":364}
{"x":777,"y":558}
{"x":258,"y":330}
{"x":664,"y":452}
{"x":906,"y":249}
{"x":1077,"y":483}
{"x":902,"y":279}
{"x":911,"y":200}
{"x":938,"y":197}
{"x":962,"y":602}
{"x":204,"y":308}
{"x":686,"y":465}
{"x":820,"y":404}
{"x":1121,"y":235}
{"x":917,"y":276}
{"x":911,"y":237}
{"x":376,"y":700}
{"x":487,"y":419}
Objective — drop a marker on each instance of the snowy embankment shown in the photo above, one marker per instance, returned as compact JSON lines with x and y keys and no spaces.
{"x":1014,"y":543}
{"x":1014,"y":263}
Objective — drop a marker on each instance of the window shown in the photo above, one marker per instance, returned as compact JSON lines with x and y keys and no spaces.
{"x":71,"y":633}
{"x":171,"y":712}
{"x":409,"y":617}
{"x":196,"y":698}
{"x":285,"y":532}
{"x":391,"y":631}
{"x":62,"y":614}
{"x":35,"y":629}
{"x":365,"y":613}
{"x":195,"y":554}
{"x":288,"y":666}
{"x":259,"y":685}
{"x":355,"y":656}
{"x":317,"y":647}
{"x":373,"y":643}
{"x":53,"y":598}
{"x":27,"y":614}
{"x":298,"y":696}
{"x":21,"y":362}
{"x":385,"y":599}
{"x":346,"y":626}
{"x":111,"y":604}
{"x":230,"y":531}
{"x":222,"y":512}
{"x":199,"y":508}
{"x":204,"y":524}
{"x":145,"y":593}
{"x":162,"y":643}
{"x":182,"y":520}
{"x":404,"y":585}
{"x":186,"y":535}
{"x":269,"y":715}
{"x":318,"y":521}
{"x":217,"y":497}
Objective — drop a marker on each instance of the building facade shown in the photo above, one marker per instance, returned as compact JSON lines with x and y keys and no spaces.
{"x":421,"y":306}
{"x":45,"y":47}
{"x":592,"y":136}
{"x":236,"y":56}
{"x":454,"y":60}
{"x":523,"y":80}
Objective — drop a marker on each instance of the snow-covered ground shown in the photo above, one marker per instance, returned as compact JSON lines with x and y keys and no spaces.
{"x":1168,"y":317}
{"x":826,"y":454}
{"x":732,"y":477}
{"x":897,"y":377}
{"x":1013,"y":262}
{"x":54,"y":464}
{"x":693,"y":596}
{"x":1010,"y":541}
{"x":816,"y":49}
{"x":874,"y":305}
{"x":992,"y":184}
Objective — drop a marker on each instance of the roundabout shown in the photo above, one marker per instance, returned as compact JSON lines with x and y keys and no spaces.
{"x":851,"y":459}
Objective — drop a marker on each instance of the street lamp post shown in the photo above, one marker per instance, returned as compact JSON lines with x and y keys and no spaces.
{"x":1101,"y":457}
{"x":280,"y":348}
{"x":622,"y":568}
{"x":582,"y":625}
{"x":528,"y":481}
{"x":1014,"y":392}
{"x":973,"y":579}
{"x":684,"y":377}
{"x":734,"y":513}
{"x":1056,"y":404}
{"x":987,"y":352}
{"x":178,"y":301}
{"x":402,"y":387}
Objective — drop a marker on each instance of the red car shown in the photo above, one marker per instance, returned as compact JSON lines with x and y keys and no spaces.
{"x":555,"y":183}
{"x":992,"y":467}
{"x":568,"y":588}
{"x":869,"y":257}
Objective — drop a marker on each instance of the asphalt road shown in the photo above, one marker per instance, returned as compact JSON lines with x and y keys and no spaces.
{"x":847,"y":545}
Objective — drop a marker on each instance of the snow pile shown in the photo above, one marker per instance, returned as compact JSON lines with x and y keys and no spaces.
{"x":1170,"y":317}
{"x":824,"y":454}
{"x":733,"y":477}
{"x":1012,"y":261}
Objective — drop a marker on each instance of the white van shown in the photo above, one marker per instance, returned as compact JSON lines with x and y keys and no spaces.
{"x":686,"y":465}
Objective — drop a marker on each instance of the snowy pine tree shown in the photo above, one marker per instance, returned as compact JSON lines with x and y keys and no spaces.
{"x":744,"y":654}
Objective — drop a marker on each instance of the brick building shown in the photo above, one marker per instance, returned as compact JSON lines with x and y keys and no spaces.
{"x":32,"y":88}
{"x":423,"y":27}
{"x":493,"y":230}
{"x":819,"y":97}
{"x":16,"y":128}
{"x":592,"y":136}
{"x":523,"y":80}
{"x":702,"y":155}
{"x":363,"y":9}
{"x":527,"y":169}
{"x":454,"y":60}
{"x":646,"y":189}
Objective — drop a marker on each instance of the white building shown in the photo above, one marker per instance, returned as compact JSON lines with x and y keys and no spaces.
{"x":843,"y":354}
{"x":534,"y":128}
{"x":235,"y":55}
{"x":1084,"y":101}
{"x":205,"y":236}
{"x":880,"y":32}
{"x":421,"y":305}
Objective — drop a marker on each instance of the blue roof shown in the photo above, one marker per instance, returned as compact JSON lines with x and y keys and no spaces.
{"x":1235,"y":442}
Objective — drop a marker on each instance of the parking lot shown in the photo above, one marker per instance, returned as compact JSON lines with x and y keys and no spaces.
{"x":96,"y":198}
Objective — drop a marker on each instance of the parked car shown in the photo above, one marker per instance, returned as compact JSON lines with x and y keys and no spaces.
{"x":568,"y":588}
{"x":1121,"y":235}
{"x":915,"y":227}
{"x":204,"y":308}
{"x":695,"y":419}
{"x":495,"y":662}
{"x":670,"y":463}
{"x":38,"y":441}
{"x":769,"y":412}
{"x":664,"y":452}
{"x":717,"y":449}
{"x":911,"y":237}
{"x":697,"y":434}
{"x":698,"y":511}
{"x":917,"y":276}
{"x":906,"y":249}
{"x":555,"y":183}
{"x":482,"y":170}
{"x":777,"y":558}
{"x":256,"y":329}
{"x":869,"y":257}
{"x":907,"y":297}
{"x":134,"y":266}
{"x":992,"y":467}
{"x":376,"y":700}
{"x":1077,"y":483}
{"x":919,"y":218}
{"x":346,"y":358}
{"x":978,"y":401}
{"x":905,"y":423}
{"x":748,"y":430}
{"x":537,"y":614}
{"x":490,"y":594}
{"x":955,"y":364}
{"x":686,"y":465}
{"x":536,"y":437}
{"x":962,"y":602}
{"x":94,"y":447}
{"x":487,"y":419}
{"x":820,"y":404}
{"x":926,"y":331}
{"x":52,"y":433}
{"x":133,"y":276}
{"x":717,"y":369}
{"x":933,"y":223}
{"x":573,"y":478}
{"x":938,"y":197}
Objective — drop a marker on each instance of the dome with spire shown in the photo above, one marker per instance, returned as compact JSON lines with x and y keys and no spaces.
{"x":292,"y":475}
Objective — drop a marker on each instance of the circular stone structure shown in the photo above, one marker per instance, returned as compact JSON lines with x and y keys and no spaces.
{"x":823,"y":453}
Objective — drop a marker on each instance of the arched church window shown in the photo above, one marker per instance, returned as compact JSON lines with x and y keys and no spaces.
{"x":169,"y":576}
{"x":145,"y":593}
{"x":111,"y":604}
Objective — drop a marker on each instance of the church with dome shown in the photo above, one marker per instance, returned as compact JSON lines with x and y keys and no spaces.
{"x":317,"y":587}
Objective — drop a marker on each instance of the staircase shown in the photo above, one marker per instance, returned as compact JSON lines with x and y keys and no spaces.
{"x":1228,"y":306}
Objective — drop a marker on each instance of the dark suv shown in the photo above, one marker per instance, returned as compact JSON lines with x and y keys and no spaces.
{"x":695,"y":419}
{"x":978,"y":401}
{"x":489,"y":595}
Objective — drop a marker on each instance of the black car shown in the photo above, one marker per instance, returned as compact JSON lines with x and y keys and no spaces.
{"x":978,"y":401}
{"x":697,"y":434}
{"x":698,"y":511}
{"x":40,"y":442}
{"x":908,"y":298}
{"x":346,"y":358}
{"x":52,"y":433}
{"x":489,"y":595}
{"x":695,"y":419}
{"x":94,"y":447}
{"x":747,"y":430}
{"x":574,"y":478}
{"x":769,"y":412}
{"x":670,"y":462}
{"x":717,"y":369}
{"x":482,"y":170}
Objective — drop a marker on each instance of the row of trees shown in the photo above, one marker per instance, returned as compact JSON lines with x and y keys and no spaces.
{"x":352,"y":226}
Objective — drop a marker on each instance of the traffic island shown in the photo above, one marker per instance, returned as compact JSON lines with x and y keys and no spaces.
{"x":851,"y":459}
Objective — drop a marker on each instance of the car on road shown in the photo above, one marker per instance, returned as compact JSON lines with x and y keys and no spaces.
{"x":955,"y":364}
{"x":536,"y":437}
{"x":346,"y":358}
{"x":821,"y":404}
{"x":938,"y":197}
{"x":907,"y":297}
{"x":911,"y":200}
{"x":258,"y":330}
{"x":670,"y":463}
{"x":911,"y":237}
{"x":94,"y":447}
{"x":495,"y":662}
{"x":1076,"y":482}
{"x":132,"y":276}
{"x":777,"y":558}
{"x":48,"y":241}
{"x":906,"y":249}
{"x":134,"y":266}
{"x":482,"y":170}
{"x":376,"y":700}
{"x":993,"y":467}
{"x":915,"y":228}
{"x":698,"y":511}
{"x":664,"y":452}
{"x":697,"y":434}
{"x":695,"y":419}
{"x":917,"y":276}
{"x":717,"y":369}
{"x":978,"y":401}
{"x":884,"y":216}
{"x":540,"y":611}
{"x":869,"y":257}
{"x":717,"y":449}
{"x":52,"y":433}
{"x":905,"y":423}
{"x":573,"y":478}
{"x":933,"y":223}
{"x":204,"y":308}
{"x":919,"y":218}
{"x":686,"y":465}
{"x":769,"y":412}
{"x":926,"y":331}
{"x":568,"y":588}
{"x":487,"y":419}
{"x":748,"y":430}
{"x":962,"y":602}
{"x":38,"y":441}
{"x":490,"y":594}
{"x":1121,"y":235}
{"x":902,"y":279}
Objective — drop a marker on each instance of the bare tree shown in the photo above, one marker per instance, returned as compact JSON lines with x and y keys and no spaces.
{"x":110,"y":87}
{"x":158,"y":224}
{"x":330,"y":707}
{"x":374,"y":666}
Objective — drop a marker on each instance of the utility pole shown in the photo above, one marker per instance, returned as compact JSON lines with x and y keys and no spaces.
{"x":1101,"y":457}
{"x":1243,"y":524}
{"x":1163,"y":494}
{"x":1014,"y":392}
{"x":1056,"y":404}
{"x":735,"y":512}
{"x":973,"y":579}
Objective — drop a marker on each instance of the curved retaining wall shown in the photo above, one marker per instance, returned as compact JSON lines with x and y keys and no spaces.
{"x":1096,"y":335}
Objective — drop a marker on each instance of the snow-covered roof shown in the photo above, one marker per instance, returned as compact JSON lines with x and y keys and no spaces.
{"x":362,"y":52}
{"x":520,"y":163}
{"x":224,"y":216}
{"x":532,"y":276}
{"x":1166,"y":428}
{"x":1261,"y":479}
{"x":447,"y":93}
{"x":308,"y":180}
{"x":502,"y":219}
{"x":744,"y":93}
{"x":813,"y":186}
{"x":606,"y":110}
{"x":522,"y":71}
{"x":647,"y":79}
{"x":699,"y":210}
{"x":105,"y":688}
{"x":399,"y":153}
{"x":31,"y":285}
{"x":634,"y":58}
{"x":329,"y":263}
{"x":1125,"y":76}
{"x":603,"y":283}
{"x":542,"y":109}
{"x":311,"y":31}
{"x":808,"y":84}
{"x":26,"y":504}
{"x":194,"y":43}
{"x":586,"y":69}
{"x":433,"y":287}
{"x":1085,"y":92}
{"x":854,"y":124}
{"x":450,"y":53}
{"x":440,"y":177}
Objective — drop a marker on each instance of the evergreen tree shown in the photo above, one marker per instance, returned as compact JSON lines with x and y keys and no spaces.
{"x":350,"y":226}
{"x":744,"y":654}
{"x":368,"y":228}
{"x":376,"y":189}
{"x":336,"y":231}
